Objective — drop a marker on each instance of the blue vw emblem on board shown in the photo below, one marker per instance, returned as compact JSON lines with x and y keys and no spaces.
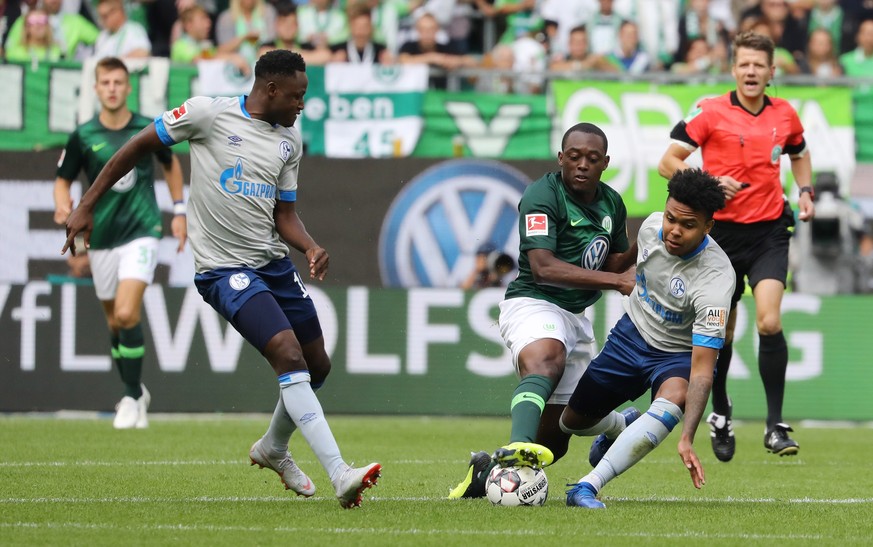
{"x":442,"y":216}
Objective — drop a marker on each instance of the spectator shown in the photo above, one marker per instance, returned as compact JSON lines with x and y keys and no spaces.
{"x":159,"y":18}
{"x":322,"y":24}
{"x":36,"y":43}
{"x":244,"y":25}
{"x":786,"y":30}
{"x":520,"y":16}
{"x":529,"y":64}
{"x":561,"y":18}
{"x":426,"y":50}
{"x":658,"y":26}
{"x":828,"y":15}
{"x":603,"y":29}
{"x":11,"y":12}
{"x":360,"y":47}
{"x":194,"y":43}
{"x":578,"y":58}
{"x":697,"y":22}
{"x":820,"y":59}
{"x":73,"y":33}
{"x":385,"y":16}
{"x":119,"y":37}
{"x":700,"y":58}
{"x":628,"y":56}
{"x":859,"y":62}
{"x":500,"y":59}
{"x":287,"y":37}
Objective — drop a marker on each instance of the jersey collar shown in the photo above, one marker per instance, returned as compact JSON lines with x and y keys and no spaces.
{"x":692,"y":254}
{"x":242,"y":106}
{"x":735,"y":101}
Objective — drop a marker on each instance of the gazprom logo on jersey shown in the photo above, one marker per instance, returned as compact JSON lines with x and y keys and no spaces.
{"x":232,"y":182}
{"x":436,"y":224}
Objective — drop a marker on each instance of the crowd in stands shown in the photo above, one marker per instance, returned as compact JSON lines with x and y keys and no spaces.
{"x":823,"y":38}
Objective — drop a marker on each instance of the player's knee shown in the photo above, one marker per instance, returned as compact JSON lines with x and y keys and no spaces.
{"x":769,"y":324}
{"x":126,"y":317}
{"x":284,"y":354}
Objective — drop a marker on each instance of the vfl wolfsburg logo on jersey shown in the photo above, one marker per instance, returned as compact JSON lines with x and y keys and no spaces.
{"x":125,"y":183}
{"x":595,"y":253}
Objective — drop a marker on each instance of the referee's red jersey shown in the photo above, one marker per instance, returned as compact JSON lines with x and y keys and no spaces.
{"x":747,"y":147}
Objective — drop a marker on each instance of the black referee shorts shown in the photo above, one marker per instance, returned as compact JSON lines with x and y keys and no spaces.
{"x":758,"y":250}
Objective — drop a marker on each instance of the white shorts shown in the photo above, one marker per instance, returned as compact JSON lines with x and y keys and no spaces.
{"x":525,"y":320}
{"x":134,"y":260}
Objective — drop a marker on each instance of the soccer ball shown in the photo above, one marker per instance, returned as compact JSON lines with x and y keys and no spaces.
{"x":520,"y":485}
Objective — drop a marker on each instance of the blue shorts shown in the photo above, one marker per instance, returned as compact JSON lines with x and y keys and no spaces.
{"x":229,"y":289}
{"x":624,"y":370}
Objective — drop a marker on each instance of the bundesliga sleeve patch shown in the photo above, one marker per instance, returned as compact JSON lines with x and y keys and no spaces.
{"x":178,"y":113}
{"x":537,"y":225}
{"x":716,"y":317}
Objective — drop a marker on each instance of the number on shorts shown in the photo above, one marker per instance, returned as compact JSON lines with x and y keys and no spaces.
{"x":301,"y":285}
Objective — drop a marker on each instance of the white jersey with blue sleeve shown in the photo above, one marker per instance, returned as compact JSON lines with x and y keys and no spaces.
{"x":240,"y":168}
{"x":680,"y":301}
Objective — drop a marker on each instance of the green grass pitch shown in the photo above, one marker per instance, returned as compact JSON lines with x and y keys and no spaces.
{"x":186,"y":481}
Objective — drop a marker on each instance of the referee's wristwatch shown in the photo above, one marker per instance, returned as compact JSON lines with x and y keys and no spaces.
{"x":809,"y":190}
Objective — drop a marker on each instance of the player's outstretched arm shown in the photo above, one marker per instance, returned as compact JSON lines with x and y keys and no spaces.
{"x":63,"y":200}
{"x":801,"y":168}
{"x":291,"y":229}
{"x":699,"y":385}
{"x":673,"y":160}
{"x":179,"y":226}
{"x":547,"y":269}
{"x":620,"y":262}
{"x":81,"y":220}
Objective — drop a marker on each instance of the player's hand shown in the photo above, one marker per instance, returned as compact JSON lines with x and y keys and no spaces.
{"x":805,"y":207}
{"x":627,"y":280}
{"x":179,"y":226}
{"x":689,"y":458}
{"x":62,"y":212}
{"x":318,"y":260}
{"x":730,"y":186}
{"x":80,"y":221}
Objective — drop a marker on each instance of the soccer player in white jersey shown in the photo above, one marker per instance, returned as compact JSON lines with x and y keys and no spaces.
{"x":245,"y":155}
{"x":667,"y":341}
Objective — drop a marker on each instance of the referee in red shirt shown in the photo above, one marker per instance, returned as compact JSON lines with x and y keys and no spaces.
{"x":743,"y":135}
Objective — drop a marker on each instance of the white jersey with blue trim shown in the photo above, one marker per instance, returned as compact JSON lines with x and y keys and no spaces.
{"x":240,"y":168}
{"x":680,"y":301}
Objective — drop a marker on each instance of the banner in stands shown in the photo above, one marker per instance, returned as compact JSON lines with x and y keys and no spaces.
{"x":638,"y":117}
{"x":394,"y":351}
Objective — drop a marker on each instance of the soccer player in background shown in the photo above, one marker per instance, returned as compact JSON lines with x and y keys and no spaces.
{"x":667,"y":341}
{"x":245,"y":156}
{"x":126,"y":226}
{"x":573,"y":245}
{"x":742,"y":135}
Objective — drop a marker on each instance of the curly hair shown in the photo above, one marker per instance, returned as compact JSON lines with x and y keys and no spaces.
{"x":586,"y":127}
{"x":279,"y":62}
{"x":697,"y":189}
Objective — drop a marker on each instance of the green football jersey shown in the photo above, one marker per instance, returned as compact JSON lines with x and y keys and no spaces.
{"x":129,"y":210}
{"x":582,"y":234}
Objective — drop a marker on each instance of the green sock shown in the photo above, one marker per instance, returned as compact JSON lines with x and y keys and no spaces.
{"x":131,"y":348}
{"x":528,"y":402}
{"x":116,"y":355}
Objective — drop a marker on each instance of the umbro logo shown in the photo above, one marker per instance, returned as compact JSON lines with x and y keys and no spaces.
{"x":234,"y":140}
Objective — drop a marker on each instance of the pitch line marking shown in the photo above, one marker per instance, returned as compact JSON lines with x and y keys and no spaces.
{"x":282,"y":499}
{"x":393,"y":531}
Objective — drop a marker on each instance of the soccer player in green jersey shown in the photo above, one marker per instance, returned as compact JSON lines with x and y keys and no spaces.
{"x":573,"y":245}
{"x":126,"y":227}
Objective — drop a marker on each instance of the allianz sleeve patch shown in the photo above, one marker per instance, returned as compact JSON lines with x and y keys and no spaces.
{"x":694,"y":113}
{"x":716,"y":317}
{"x":537,"y":225}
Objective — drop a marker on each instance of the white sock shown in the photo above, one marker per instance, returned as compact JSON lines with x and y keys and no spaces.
{"x":303,"y":407}
{"x":637,"y":440}
{"x":611,"y":426}
{"x":280,"y":430}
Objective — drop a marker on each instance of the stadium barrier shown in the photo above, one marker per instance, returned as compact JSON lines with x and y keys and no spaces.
{"x":395,"y":351}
